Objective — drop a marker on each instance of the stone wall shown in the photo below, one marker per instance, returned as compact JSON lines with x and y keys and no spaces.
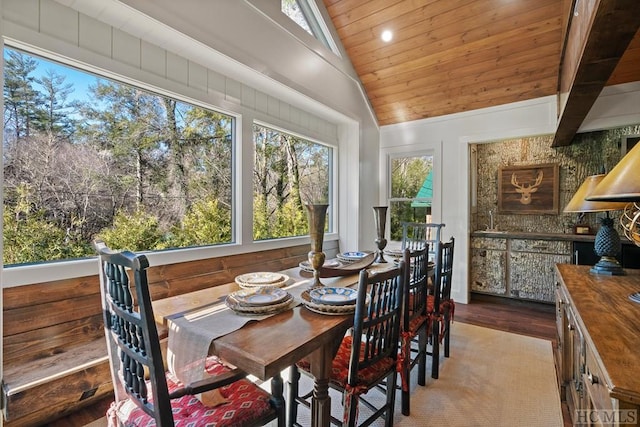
{"x":588,"y":154}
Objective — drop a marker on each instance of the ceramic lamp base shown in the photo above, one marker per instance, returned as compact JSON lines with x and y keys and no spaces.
{"x":609,"y":266}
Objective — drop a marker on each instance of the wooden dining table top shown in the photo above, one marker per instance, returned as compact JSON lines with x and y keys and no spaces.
{"x":263,"y":348}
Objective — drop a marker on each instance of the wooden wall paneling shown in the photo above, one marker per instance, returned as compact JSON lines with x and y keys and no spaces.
{"x":42,"y":401}
{"x":183,"y":269}
{"x":41,"y":293}
{"x":49,"y":340}
{"x":42,"y":315}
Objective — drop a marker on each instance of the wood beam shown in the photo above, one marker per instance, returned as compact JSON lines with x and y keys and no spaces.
{"x":598,"y":34}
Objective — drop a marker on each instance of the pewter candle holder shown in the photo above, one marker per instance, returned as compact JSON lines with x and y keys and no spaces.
{"x":380,"y":216}
{"x":316,"y":216}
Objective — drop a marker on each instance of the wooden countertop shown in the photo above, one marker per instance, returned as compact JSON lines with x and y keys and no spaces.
{"x":539,"y":236}
{"x":610,"y":322}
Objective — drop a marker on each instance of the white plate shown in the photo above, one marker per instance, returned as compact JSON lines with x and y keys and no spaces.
{"x":239,"y":308}
{"x":329,"y":312}
{"x":255,"y":280}
{"x":395,"y":253}
{"x":259,"y":278}
{"x":333,"y":296}
{"x":265,"y":295}
{"x":328,"y":309}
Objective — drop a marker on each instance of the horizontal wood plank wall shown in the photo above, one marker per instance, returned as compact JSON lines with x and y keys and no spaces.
{"x":53,"y":327}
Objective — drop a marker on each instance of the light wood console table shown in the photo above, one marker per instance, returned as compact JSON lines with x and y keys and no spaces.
{"x":598,"y":346}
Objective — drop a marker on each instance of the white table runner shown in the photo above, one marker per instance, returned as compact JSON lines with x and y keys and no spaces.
{"x":191,"y":334}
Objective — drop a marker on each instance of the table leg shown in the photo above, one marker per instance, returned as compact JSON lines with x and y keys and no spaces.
{"x":321,"y":360}
{"x":276,"y":392}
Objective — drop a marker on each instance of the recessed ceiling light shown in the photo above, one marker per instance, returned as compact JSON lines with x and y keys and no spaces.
{"x":386,"y":36}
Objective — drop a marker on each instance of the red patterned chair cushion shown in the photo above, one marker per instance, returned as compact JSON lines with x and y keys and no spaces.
{"x":431,"y":300}
{"x":340,"y":368}
{"x":416,"y":323}
{"x":246,"y":402}
{"x":446,"y":304}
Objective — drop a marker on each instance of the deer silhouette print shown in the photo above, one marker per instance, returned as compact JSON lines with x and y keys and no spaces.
{"x":526,"y":190}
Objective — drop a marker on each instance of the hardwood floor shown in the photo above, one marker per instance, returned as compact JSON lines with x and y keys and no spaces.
{"x":532,"y":319}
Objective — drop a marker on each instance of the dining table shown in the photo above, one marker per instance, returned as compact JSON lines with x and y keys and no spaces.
{"x":266,"y":347}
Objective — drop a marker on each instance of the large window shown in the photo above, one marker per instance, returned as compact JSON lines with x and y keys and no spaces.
{"x":411,"y":191}
{"x":288,"y":172}
{"x":87,"y":157}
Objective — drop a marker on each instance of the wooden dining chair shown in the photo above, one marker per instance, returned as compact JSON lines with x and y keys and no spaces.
{"x":415,"y":323}
{"x":415,"y":235}
{"x":368,"y":355}
{"x":440,"y":305}
{"x":144,"y":393}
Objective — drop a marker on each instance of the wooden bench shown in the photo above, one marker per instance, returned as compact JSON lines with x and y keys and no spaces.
{"x":55,"y":357}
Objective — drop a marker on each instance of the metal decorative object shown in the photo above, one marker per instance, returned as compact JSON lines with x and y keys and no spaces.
{"x":316,"y":215}
{"x":380,"y":216}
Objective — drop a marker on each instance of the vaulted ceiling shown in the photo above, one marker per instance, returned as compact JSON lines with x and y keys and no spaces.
{"x":449,"y":56}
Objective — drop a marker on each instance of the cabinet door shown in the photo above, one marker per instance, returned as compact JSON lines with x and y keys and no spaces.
{"x":584,"y":254}
{"x":532,"y":268}
{"x":562,"y":350}
{"x":575,"y":365}
{"x":488,"y":271}
{"x":532,"y":275}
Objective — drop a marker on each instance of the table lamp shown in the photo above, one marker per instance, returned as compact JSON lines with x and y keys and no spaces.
{"x":622,"y":184}
{"x":607,"y":242}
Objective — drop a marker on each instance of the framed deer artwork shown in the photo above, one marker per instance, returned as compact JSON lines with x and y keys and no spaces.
{"x":531,"y":189}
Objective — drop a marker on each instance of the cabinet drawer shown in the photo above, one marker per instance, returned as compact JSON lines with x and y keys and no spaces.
{"x":594,"y":381}
{"x":541,"y":246}
{"x":488,"y":243}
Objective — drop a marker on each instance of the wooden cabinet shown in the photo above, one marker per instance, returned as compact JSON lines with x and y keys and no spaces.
{"x":597,"y":346}
{"x":517,"y":266}
{"x":584,"y":254}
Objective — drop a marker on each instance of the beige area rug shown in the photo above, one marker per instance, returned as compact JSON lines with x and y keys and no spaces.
{"x":492,"y":378}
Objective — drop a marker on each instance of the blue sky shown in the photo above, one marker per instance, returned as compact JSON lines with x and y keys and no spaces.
{"x":79,"y":79}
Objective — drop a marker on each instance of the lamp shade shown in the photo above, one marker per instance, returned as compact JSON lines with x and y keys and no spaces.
{"x":622,"y":183}
{"x":579,"y":204}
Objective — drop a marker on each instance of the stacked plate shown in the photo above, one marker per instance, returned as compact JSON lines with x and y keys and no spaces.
{"x":330,"y":263}
{"x":394,"y":253}
{"x":330,"y":300}
{"x":261,"y":278}
{"x":259,"y":301}
{"x":349,"y":257}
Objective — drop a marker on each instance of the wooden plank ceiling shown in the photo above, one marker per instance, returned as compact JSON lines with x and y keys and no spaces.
{"x":449,"y":56}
